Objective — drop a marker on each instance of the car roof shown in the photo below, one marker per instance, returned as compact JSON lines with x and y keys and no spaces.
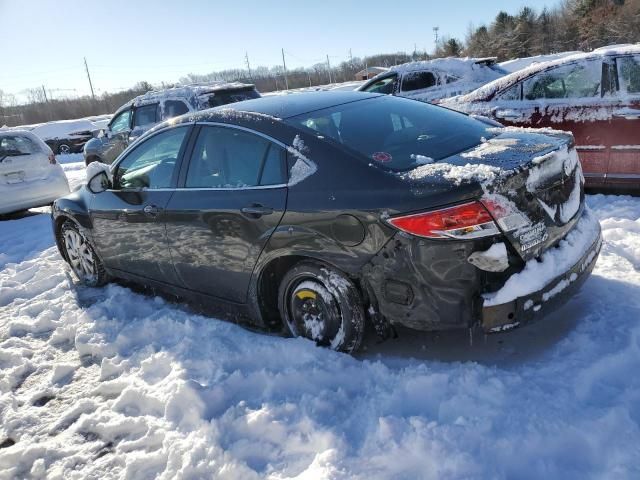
{"x":285,"y":106}
{"x":184,"y":92}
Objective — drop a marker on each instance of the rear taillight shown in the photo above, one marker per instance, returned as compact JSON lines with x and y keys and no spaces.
{"x":466,"y":221}
{"x":52,"y":159}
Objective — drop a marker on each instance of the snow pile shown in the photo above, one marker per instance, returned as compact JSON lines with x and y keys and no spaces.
{"x":108,"y":383}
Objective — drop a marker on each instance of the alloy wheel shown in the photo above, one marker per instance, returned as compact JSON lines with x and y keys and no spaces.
{"x":81,"y":256}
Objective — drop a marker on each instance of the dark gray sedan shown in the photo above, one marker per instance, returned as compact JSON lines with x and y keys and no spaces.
{"x":319,"y":213}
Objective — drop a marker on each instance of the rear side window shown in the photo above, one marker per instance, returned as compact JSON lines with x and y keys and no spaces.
{"x":16,"y":145}
{"x":418,"y":81}
{"x":629,"y":74}
{"x":232,"y":158}
{"x":146,"y":115}
{"x":152,"y":164}
{"x":174,"y":108}
{"x":581,"y":80}
{"x":395,"y":132}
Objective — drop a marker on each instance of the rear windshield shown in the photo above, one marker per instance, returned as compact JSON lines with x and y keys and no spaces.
{"x":233,"y":96}
{"x":15,"y":145}
{"x":397,"y":133}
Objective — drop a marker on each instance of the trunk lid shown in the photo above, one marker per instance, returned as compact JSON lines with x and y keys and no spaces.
{"x":530,"y":180}
{"x":15,"y":169}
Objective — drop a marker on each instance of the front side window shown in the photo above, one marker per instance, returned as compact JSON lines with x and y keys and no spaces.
{"x":174,"y":108}
{"x":418,"y":81}
{"x":384,"y":85}
{"x":146,"y":115}
{"x":395,"y":132}
{"x":121,"y":122}
{"x":629,"y":74}
{"x":512,"y":93}
{"x":231,"y":158}
{"x":581,"y":80}
{"x":16,"y":145}
{"x":151,"y":165}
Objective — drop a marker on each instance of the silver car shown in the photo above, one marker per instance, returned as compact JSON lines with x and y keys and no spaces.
{"x":30,"y":176}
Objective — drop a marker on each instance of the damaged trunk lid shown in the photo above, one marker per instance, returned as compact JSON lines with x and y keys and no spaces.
{"x":530,"y":181}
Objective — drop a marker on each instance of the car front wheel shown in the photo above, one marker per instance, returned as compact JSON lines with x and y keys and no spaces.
{"x":323,"y":305}
{"x":86,"y":265}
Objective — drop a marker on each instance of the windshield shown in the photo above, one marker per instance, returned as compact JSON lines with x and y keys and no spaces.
{"x":398,"y":133}
{"x":15,"y":145}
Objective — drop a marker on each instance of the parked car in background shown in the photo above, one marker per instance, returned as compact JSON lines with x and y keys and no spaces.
{"x":319,"y":212}
{"x":29,"y":174}
{"x":594,"y":95}
{"x":143,"y":112}
{"x":433,"y":80}
{"x":66,"y":136}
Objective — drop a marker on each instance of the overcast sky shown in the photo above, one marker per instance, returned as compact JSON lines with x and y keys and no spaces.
{"x":125,"y":41}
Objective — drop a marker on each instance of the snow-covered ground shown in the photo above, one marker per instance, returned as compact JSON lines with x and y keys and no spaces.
{"x":109,"y":383}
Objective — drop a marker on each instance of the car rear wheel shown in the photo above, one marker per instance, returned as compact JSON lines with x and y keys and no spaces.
{"x":64,"y":149}
{"x":323,"y":305}
{"x":85,"y":264}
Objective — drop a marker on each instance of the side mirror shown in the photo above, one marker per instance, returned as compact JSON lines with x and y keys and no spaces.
{"x":99,"y":183}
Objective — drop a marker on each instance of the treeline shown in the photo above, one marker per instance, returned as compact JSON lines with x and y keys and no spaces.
{"x":39,"y":108}
{"x":574,"y":25}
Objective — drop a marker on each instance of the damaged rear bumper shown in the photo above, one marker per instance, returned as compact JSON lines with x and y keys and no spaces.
{"x":525,"y":308}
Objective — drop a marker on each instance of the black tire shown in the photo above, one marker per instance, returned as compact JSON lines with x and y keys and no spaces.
{"x":81,"y":256}
{"x":323,"y":305}
{"x":64,"y":149}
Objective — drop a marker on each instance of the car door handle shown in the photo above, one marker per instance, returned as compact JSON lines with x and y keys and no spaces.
{"x":257,"y":210}
{"x":152,"y":210}
{"x":627,"y":114}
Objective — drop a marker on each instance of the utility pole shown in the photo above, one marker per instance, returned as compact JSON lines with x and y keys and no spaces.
{"x":284,"y":65}
{"x":246,"y":57}
{"x":309,"y":75}
{"x":351,"y":59}
{"x":45,"y":94}
{"x":86,"y":67}
{"x":329,"y":68}
{"x":435,"y":32}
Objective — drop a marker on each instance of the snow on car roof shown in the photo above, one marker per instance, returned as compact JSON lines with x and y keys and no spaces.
{"x":490,"y":89}
{"x":184,"y":91}
{"x":454,"y":65}
{"x":519,"y":63}
{"x":62,"y":128}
